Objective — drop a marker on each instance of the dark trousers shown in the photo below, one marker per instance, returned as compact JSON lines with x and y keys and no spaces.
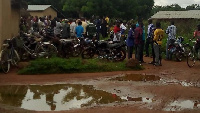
{"x":141,"y":50}
{"x":148,"y":42}
{"x":153,"y":53}
{"x":138,"y":52}
{"x":130,"y":51}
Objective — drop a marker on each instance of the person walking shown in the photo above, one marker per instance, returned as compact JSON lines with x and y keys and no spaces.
{"x":158,"y":36}
{"x":130,"y":41}
{"x":171,"y":31}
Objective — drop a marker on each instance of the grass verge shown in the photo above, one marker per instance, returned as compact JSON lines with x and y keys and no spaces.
{"x":73,"y":65}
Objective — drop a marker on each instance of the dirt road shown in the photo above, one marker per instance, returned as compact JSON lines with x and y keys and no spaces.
{"x":177,"y":90}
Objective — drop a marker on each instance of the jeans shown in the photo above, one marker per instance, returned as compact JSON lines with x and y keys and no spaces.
{"x":157,"y":54}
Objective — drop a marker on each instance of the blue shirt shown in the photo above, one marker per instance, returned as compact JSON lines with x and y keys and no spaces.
{"x":130,"y":39}
{"x":79,"y":31}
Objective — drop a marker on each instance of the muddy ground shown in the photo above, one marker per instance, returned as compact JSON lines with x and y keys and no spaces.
{"x":178,"y":84}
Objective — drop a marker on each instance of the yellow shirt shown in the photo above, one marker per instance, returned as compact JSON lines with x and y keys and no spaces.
{"x":84,"y":24}
{"x":107,"y":20}
{"x":158,"y":36}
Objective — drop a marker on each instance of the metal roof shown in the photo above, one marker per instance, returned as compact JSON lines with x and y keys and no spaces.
{"x":191,"y":14}
{"x":38,"y":7}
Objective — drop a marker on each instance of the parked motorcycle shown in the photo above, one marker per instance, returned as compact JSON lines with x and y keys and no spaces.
{"x":72,"y":47}
{"x":178,"y":49}
{"x":113,"y":51}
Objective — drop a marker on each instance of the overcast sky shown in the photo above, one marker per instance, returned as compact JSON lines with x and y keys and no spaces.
{"x":182,"y":3}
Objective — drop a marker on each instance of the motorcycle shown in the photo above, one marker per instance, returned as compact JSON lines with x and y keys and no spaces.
{"x":72,"y":47}
{"x":113,"y":51}
{"x":178,"y":49}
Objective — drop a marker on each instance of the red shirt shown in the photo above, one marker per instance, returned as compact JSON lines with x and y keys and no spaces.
{"x":138,"y":35}
{"x":197,"y":34}
{"x":116,"y":29}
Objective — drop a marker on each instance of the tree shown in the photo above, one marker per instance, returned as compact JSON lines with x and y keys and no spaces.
{"x":124,"y":9}
{"x":78,"y":6}
{"x":173,"y":7}
{"x":144,"y":8}
{"x":193,"y":7}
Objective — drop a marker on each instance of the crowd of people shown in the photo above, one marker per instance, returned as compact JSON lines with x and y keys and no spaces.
{"x":66,"y":28}
{"x":137,"y":39}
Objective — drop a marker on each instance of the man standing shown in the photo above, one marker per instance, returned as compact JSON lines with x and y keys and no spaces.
{"x":79,"y":30}
{"x":149,"y":38}
{"x":73,"y":28}
{"x":66,"y":30}
{"x":91,"y":30}
{"x":130,"y":41}
{"x":158,"y":36}
{"x":171,"y":31}
{"x":84,"y":25}
{"x":138,"y":41}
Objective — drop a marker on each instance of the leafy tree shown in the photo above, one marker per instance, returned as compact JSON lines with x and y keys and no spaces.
{"x":173,"y":7}
{"x":78,"y":6}
{"x":144,"y":8}
{"x":193,"y":7}
{"x":124,"y":9}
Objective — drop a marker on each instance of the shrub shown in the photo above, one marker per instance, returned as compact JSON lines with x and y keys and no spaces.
{"x":72,"y":65}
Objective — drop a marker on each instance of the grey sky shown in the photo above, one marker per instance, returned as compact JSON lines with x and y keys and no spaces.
{"x":182,"y":3}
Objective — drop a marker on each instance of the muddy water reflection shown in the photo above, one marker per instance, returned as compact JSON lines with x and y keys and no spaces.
{"x":180,"y":105}
{"x":137,"y":77}
{"x":54,"y":97}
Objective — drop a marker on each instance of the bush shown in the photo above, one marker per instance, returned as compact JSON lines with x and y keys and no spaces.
{"x":59,"y":65}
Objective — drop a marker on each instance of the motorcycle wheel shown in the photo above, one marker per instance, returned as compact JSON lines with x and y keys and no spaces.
{"x":191,"y":58}
{"x":187,"y":49}
{"x":179,"y":56}
{"x":76,"y":51}
{"x":120,"y":55}
{"x":88,"y":53}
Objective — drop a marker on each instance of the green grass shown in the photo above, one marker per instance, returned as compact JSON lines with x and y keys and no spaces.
{"x":73,"y":65}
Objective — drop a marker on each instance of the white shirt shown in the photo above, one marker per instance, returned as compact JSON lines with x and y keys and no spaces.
{"x":122,"y":26}
{"x":171,"y":31}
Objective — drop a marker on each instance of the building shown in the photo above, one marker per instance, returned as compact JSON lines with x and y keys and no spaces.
{"x":176,"y":15}
{"x":42,"y":10}
{"x":9,"y":19}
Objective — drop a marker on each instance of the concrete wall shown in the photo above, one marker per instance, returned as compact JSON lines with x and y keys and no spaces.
{"x":9,"y":21}
{"x":47,"y":12}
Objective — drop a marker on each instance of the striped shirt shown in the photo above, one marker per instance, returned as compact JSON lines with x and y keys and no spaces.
{"x":171,"y":31}
{"x":150,"y":31}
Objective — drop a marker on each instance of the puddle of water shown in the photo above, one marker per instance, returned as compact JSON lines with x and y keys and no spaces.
{"x":182,"y":83}
{"x":54,"y":97}
{"x":137,"y":77}
{"x":140,"y":99}
{"x":180,"y":105}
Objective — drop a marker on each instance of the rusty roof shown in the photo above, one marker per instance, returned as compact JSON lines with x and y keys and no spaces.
{"x":38,"y":7}
{"x":190,"y":14}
